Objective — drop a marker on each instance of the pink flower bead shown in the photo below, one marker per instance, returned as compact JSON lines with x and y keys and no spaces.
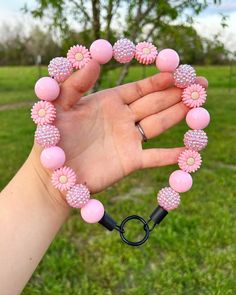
{"x":78,"y":196}
{"x":63,"y":178}
{"x":47,"y":135}
{"x":79,"y":56}
{"x":93,"y":211}
{"x":167,"y":60}
{"x":47,"y":89}
{"x":43,"y":113}
{"x":168,"y":199}
{"x":184,"y":76}
{"x":60,"y":68}
{"x":123,"y":50}
{"x":195,"y":140}
{"x":145,"y":53}
{"x":101,"y":51}
{"x":189,"y":161}
{"x":180,"y":181}
{"x":194,"y":96}
{"x":53,"y":157}
{"x":198,"y":118}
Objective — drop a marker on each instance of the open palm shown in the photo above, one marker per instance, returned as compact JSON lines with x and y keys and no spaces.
{"x":98,"y":131}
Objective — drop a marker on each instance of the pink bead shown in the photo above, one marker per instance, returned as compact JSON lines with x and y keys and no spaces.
{"x":167,"y":60}
{"x":53,"y":157}
{"x":93,"y":211}
{"x":78,"y":196}
{"x":47,"y":135}
{"x":101,"y":51}
{"x":60,"y":68}
{"x":123,"y":50}
{"x":198,"y":118}
{"x":168,"y":199}
{"x":195,"y":139}
{"x":184,"y":76}
{"x":47,"y":89}
{"x":180,"y":181}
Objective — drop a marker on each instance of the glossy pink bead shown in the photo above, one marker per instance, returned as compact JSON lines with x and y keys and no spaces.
{"x":101,"y":50}
{"x":198,"y":118}
{"x":93,"y":211}
{"x":53,"y":157}
{"x":180,"y":181}
{"x":47,"y":88}
{"x":167,"y":60}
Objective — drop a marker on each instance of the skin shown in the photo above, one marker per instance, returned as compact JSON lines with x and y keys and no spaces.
{"x":102,"y":144}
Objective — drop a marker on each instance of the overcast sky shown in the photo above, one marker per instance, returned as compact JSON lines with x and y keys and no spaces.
{"x":207,"y":23}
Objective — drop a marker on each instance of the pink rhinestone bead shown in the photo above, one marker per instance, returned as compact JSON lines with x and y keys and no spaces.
{"x":198,"y":118}
{"x":167,"y":60}
{"x":184,"y":76}
{"x":53,"y":157}
{"x":180,"y":181}
{"x":101,"y":51}
{"x":78,"y":196}
{"x":189,"y":161}
{"x":93,"y":211}
{"x":47,"y":135}
{"x":47,"y":89}
{"x":60,"y":68}
{"x":168,"y":199}
{"x":123,"y":50}
{"x":195,"y":139}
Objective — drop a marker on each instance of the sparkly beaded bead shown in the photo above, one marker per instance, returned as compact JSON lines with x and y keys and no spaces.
{"x":168,"y":199}
{"x":60,"y":68}
{"x":78,"y":196}
{"x":47,"y":135}
{"x":123,"y":50}
{"x":184,"y":76}
{"x":195,"y":139}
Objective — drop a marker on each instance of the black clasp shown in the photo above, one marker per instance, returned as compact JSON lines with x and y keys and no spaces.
{"x":156,"y":217}
{"x":145,"y":227}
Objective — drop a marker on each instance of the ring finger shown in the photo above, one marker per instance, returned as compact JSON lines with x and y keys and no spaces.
{"x":158,"y":123}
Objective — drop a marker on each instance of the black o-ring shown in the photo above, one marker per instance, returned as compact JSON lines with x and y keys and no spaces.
{"x":145,"y":227}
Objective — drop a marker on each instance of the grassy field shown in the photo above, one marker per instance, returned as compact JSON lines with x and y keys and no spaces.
{"x":192,"y":252}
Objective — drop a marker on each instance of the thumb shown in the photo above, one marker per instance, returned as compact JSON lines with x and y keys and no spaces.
{"x":77,"y":84}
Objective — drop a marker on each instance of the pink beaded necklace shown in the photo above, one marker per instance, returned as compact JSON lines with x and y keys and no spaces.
{"x":53,"y":157}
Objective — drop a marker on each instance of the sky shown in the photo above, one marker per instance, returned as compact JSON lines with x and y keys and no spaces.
{"x":207,"y":23}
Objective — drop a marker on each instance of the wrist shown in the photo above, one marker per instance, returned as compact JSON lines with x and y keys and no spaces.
{"x":43,"y":178}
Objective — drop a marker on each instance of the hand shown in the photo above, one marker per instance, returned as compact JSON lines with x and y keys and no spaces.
{"x":98,"y":132}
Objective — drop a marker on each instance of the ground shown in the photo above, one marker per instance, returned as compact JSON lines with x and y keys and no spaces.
{"x":191,"y":252}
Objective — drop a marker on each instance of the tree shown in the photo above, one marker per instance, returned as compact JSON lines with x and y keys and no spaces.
{"x":135,"y":19}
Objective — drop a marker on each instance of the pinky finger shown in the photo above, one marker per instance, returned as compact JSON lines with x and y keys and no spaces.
{"x":160,"y":157}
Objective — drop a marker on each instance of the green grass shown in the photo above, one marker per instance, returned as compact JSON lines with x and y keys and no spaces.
{"x":193,"y":250}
